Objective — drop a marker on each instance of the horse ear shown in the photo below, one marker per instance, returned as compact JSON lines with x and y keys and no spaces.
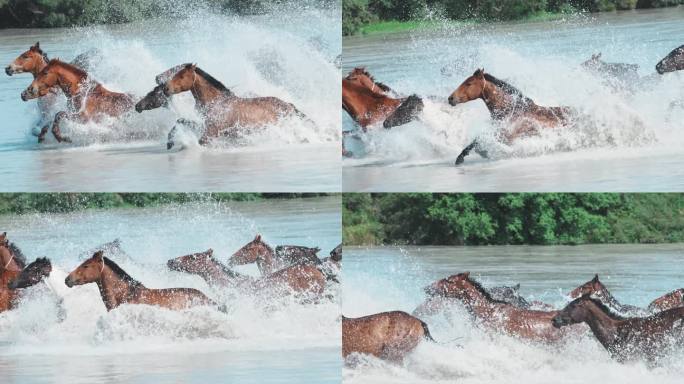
{"x":596,"y":278}
{"x":257,"y":237}
{"x":193,"y":66}
{"x":35,"y":46}
{"x":99,"y":254}
{"x":516,"y":287}
{"x":466,"y":275}
{"x":479,"y":73}
{"x":210,"y":251}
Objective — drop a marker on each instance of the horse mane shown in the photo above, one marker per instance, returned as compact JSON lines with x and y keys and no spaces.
{"x":209,"y":78}
{"x":18,"y":255}
{"x":380,"y":85}
{"x":604,"y":308}
{"x":40,"y":261}
{"x":509,"y":89}
{"x":484,"y":292}
{"x":121,"y":273}
{"x":42,"y":53}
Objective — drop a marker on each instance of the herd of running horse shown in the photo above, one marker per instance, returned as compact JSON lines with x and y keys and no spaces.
{"x":223,"y":112}
{"x":286,"y":270}
{"x":370,"y":103}
{"x":628,"y":333}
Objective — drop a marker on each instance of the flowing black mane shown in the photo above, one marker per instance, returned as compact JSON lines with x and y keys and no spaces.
{"x":18,"y":255}
{"x":604,"y":308}
{"x":211,"y":80}
{"x":121,"y":273}
{"x":509,"y":89}
{"x":484,"y":292}
{"x":39,"y":262}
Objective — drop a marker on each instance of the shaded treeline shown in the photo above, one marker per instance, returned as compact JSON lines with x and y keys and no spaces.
{"x":512,"y":218}
{"x":67,"y":13}
{"x":357,"y":13}
{"x":17,"y":203}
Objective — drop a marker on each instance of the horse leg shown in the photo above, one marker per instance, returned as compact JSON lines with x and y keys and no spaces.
{"x":172,"y":133}
{"x":43,"y":132}
{"x":56,"y":132}
{"x":465,"y":152}
{"x":405,"y":112}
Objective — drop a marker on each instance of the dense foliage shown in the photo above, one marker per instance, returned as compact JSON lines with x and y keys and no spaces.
{"x":17,"y":203}
{"x":357,"y":13}
{"x":527,"y":218}
{"x":66,"y":13}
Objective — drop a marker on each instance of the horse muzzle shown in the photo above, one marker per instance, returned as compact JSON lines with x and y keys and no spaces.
{"x":69,"y":282}
{"x":557,"y":322}
{"x":9,"y":71}
{"x":14,"y":284}
{"x":453,"y":101}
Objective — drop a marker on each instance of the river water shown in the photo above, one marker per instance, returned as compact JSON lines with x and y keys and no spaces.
{"x":256,"y":342}
{"x":629,"y":139}
{"x":390,"y":278}
{"x":290,"y":55}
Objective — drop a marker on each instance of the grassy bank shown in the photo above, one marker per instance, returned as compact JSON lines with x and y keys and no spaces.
{"x":376,"y":16}
{"x":502,"y":219}
{"x":18,"y":203}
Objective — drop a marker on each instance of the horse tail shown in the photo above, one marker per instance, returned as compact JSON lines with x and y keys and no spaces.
{"x":405,"y":112}
{"x":426,"y":332}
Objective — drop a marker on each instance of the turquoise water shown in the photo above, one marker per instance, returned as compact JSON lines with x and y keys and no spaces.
{"x":389,"y":278}
{"x":257,"y":341}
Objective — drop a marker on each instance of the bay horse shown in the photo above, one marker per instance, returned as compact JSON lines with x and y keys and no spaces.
{"x":117,"y":287}
{"x":224,"y":113}
{"x":387,"y":335}
{"x":507,"y":104}
{"x":298,"y":279}
{"x":33,"y":61}
{"x":597,"y":290}
{"x":498,"y":315}
{"x":269,"y":260}
{"x":32,"y":274}
{"x":12,"y":262}
{"x":669,"y":300}
{"x":674,"y":61}
{"x":87,"y":99}
{"x":625,"y":339}
{"x":367,"y":103}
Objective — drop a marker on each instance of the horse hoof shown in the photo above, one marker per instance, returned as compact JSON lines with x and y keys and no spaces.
{"x":65,"y":140}
{"x":459,"y":161}
{"x":169,"y":145}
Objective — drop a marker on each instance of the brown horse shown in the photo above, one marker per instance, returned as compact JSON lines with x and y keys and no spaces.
{"x":498,"y":315}
{"x":32,"y":274}
{"x":269,"y":260}
{"x":387,"y":335}
{"x":33,"y":61}
{"x":87,"y":99}
{"x":117,"y":287}
{"x":625,"y":338}
{"x":506,"y":103}
{"x":597,"y":290}
{"x":367,"y":103}
{"x":299,"y":279}
{"x":11,"y":264}
{"x":674,"y":299}
{"x":674,"y":61}
{"x":225,"y":114}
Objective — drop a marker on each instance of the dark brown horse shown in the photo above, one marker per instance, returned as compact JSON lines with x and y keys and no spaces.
{"x":625,"y":338}
{"x":298,"y":279}
{"x":387,"y":335}
{"x":117,"y":287}
{"x":507,"y":104}
{"x":674,"y":61}
{"x":11,"y":264}
{"x":597,"y":290}
{"x":32,"y":274}
{"x":269,"y":260}
{"x":87,"y":99}
{"x":367,"y":103}
{"x":674,"y":299}
{"x":498,"y":315}
{"x":225,"y":114}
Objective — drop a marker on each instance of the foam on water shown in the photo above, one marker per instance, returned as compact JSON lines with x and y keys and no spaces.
{"x":381,"y":279}
{"x":55,"y":321}
{"x":543,"y":61}
{"x":253,"y":56}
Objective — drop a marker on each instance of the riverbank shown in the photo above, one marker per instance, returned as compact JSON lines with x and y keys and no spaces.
{"x":19,"y":203}
{"x":366,"y":17}
{"x":512,"y":218}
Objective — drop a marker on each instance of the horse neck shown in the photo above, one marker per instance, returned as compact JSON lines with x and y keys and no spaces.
{"x":266,"y":263}
{"x":361,"y":100}
{"x":479,"y":304}
{"x":206,"y":93}
{"x":500,"y":103}
{"x":69,"y":82}
{"x":38,"y":67}
{"x":216,"y":272}
{"x":607,"y":298}
{"x":602,"y":325}
{"x":9,"y":262}
{"x":113,"y":289}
